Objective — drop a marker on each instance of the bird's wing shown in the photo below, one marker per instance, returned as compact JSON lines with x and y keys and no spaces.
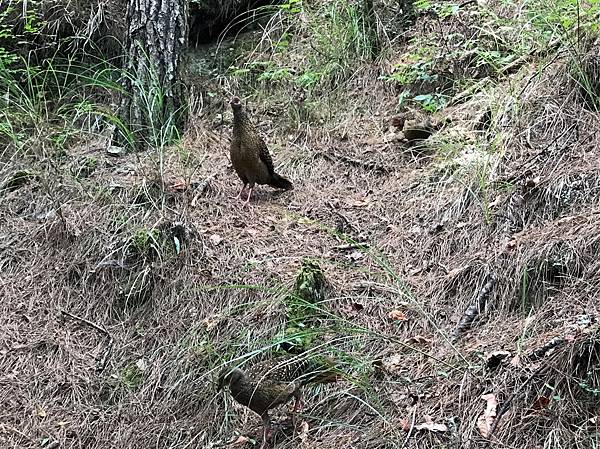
{"x":265,"y":157}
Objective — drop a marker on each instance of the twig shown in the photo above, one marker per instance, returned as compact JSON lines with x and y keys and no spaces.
{"x":202,"y":187}
{"x":102,"y":362}
{"x":369,"y":285}
{"x":350,"y":246}
{"x":467,"y":3}
{"x":83,"y":320}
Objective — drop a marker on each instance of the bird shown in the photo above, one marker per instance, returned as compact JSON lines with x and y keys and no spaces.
{"x":273,"y":382}
{"x":249,"y":154}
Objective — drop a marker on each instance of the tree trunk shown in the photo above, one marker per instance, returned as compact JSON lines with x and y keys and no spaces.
{"x":152,"y":107}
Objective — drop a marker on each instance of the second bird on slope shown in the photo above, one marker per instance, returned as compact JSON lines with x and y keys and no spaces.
{"x":250,"y":156}
{"x":274,"y":382}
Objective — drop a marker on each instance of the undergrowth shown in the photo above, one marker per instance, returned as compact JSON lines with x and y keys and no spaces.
{"x":189,"y":283}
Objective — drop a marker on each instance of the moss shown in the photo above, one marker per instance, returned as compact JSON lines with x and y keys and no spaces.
{"x":303,"y":307}
{"x":132,"y":376}
{"x":310,"y":282}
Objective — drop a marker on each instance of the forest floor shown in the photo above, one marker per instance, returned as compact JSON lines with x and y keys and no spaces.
{"x":127,"y":283}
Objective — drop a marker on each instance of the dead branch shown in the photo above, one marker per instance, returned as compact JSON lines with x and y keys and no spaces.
{"x":476,"y":307}
{"x":88,"y":322}
{"x":546,"y":349}
{"x":102,"y":362}
{"x":201,"y":187}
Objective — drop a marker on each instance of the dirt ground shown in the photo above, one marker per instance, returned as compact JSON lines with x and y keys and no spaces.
{"x":126,"y":290}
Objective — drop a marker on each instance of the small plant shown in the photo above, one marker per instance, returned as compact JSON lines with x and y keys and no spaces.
{"x":275,"y":74}
{"x":430,"y":102}
{"x":85,"y":167}
{"x":587,"y":384}
{"x":147,"y":243}
{"x":442,"y":10}
{"x":405,"y":74}
{"x":303,"y":306}
{"x":132,"y":376}
{"x":291,"y":6}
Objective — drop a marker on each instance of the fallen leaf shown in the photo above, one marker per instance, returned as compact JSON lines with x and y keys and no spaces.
{"x":358,"y":202}
{"x":495,"y":358}
{"x":485,"y":421}
{"x":566,"y":219}
{"x":355,"y":256}
{"x":398,"y":122}
{"x":431,"y":426}
{"x":420,"y":340}
{"x":516,"y":361}
{"x":393,"y":363}
{"x":210,"y":322}
{"x":404,"y":424}
{"x":397,"y":315}
{"x":540,"y":403}
{"x":456,"y":271}
{"x":496,"y":202}
{"x":177,"y":245}
{"x":141,"y":364}
{"x":353,"y":308}
{"x":215,"y":239}
{"x":303,"y":432}
{"x":239,"y":441}
{"x":115,"y":150}
{"x":179,"y":186}
{"x":357,"y":306}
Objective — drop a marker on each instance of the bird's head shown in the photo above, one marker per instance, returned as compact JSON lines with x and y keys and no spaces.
{"x":228,"y":375}
{"x":236,"y":103}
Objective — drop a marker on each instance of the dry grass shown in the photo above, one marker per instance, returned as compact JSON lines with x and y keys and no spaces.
{"x":89,"y":272}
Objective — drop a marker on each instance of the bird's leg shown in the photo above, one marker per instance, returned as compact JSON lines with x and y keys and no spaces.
{"x":297,"y":405}
{"x":266,"y":430}
{"x":249,"y":195}
{"x":239,"y":195}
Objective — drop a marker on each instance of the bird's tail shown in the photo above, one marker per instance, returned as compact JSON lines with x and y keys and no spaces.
{"x":280,"y":182}
{"x":322,"y":372}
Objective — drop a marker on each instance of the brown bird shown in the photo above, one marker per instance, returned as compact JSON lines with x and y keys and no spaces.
{"x":274,"y":382}
{"x":249,"y":154}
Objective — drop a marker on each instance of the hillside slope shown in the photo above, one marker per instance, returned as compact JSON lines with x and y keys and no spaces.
{"x":129,"y":282}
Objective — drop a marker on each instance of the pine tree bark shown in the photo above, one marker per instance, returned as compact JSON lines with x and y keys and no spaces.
{"x":152,"y":108}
